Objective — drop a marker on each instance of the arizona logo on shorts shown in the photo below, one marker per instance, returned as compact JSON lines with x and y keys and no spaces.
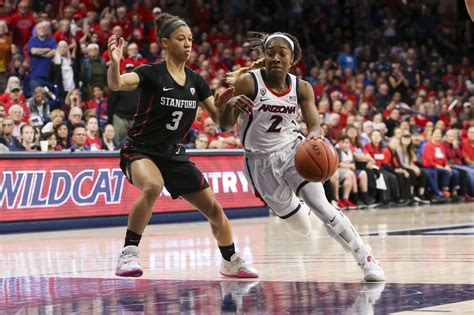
{"x":192,"y":91}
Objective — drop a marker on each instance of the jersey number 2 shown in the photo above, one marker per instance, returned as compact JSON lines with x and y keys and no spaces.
{"x":276,"y":121}
{"x":173,"y":125}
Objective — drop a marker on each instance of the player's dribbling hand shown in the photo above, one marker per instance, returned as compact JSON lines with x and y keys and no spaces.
{"x":316,"y":134}
{"x":115,"y":49}
{"x":242,"y":103}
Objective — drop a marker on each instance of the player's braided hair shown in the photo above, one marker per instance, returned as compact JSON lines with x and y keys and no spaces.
{"x":166,"y":23}
{"x":257,"y":41}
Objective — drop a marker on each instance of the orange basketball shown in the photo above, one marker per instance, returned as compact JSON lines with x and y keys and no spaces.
{"x":316,"y":160}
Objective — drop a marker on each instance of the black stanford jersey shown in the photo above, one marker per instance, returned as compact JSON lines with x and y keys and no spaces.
{"x":166,"y":110}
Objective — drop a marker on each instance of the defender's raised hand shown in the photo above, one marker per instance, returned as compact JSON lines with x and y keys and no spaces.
{"x":115,"y":46}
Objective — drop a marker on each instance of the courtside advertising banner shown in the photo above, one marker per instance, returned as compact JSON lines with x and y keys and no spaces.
{"x":37,"y":189}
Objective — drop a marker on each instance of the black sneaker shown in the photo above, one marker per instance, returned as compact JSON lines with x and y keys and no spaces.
{"x":402,"y":202}
{"x":437,"y":199}
{"x":455,"y":199}
{"x":421,"y":199}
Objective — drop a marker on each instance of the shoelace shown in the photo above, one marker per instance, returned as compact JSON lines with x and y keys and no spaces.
{"x":126,"y":258}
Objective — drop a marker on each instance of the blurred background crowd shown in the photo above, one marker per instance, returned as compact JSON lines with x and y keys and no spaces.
{"x":393,"y":79}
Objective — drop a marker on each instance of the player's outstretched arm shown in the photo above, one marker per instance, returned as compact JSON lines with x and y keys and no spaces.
{"x":308,"y":108}
{"x":117,"y":82}
{"x":212,"y":103}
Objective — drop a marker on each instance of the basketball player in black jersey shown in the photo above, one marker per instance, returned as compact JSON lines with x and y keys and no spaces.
{"x":152,"y":157}
{"x":270,"y":168}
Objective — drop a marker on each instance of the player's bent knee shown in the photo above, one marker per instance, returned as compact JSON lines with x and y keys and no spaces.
{"x":214,"y":212}
{"x":152,"y":190}
{"x":300,"y":222}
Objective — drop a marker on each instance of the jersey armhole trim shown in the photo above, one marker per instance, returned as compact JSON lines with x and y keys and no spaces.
{"x":297,"y":90}
{"x":255,"y":85}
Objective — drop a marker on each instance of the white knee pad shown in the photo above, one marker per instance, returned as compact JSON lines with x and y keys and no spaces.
{"x":344,"y":232}
{"x":300,"y":222}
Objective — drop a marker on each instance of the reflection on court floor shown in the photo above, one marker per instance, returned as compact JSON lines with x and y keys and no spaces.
{"x":427,"y":254}
{"x":105,"y":296}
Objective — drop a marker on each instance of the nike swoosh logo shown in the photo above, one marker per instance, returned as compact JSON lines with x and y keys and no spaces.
{"x":167,"y":89}
{"x":264,"y":99}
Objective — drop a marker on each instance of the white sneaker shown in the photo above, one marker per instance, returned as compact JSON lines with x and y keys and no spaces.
{"x":233,"y":292}
{"x":237,"y":267}
{"x":368,"y":296}
{"x":372,"y":270}
{"x":128,"y":265}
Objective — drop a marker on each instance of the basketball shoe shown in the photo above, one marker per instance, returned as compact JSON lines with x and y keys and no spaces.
{"x":233,"y":292}
{"x":368,"y":296}
{"x":237,"y":267}
{"x":373,"y":272}
{"x":128,"y":265}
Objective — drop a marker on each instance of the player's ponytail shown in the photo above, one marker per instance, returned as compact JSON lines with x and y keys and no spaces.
{"x":231,"y":77}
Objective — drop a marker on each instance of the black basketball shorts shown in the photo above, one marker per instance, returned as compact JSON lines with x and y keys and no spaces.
{"x":180,"y":175}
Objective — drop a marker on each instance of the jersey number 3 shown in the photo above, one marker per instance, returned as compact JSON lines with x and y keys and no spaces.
{"x":276,"y":121}
{"x":173,"y":125}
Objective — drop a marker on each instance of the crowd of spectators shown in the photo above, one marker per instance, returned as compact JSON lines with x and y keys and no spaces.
{"x":393,"y":80}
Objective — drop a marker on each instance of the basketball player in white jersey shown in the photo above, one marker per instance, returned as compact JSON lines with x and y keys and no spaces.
{"x":266,"y":105}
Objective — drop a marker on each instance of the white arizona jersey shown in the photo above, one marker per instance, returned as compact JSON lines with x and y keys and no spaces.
{"x":272,"y":124}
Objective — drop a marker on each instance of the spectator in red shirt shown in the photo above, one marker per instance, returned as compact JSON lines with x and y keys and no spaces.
{"x":374,"y":148}
{"x":335,"y":129}
{"x":92,"y":139}
{"x":123,"y":22}
{"x":435,"y":161}
{"x":21,"y":25}
{"x":321,"y":87}
{"x":64,"y":33}
{"x":134,"y":56}
{"x":467,"y":148}
{"x":152,"y":31}
{"x":17,"y":97}
{"x":6,"y":12}
{"x":13,"y":82}
{"x":337,"y":108}
{"x":368,"y":96}
{"x":455,"y":160}
{"x":201,"y":116}
{"x":422,"y":118}
{"x":137,"y":31}
{"x":219,"y":140}
{"x":99,"y":104}
{"x":103,"y":32}
{"x":239,"y":57}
